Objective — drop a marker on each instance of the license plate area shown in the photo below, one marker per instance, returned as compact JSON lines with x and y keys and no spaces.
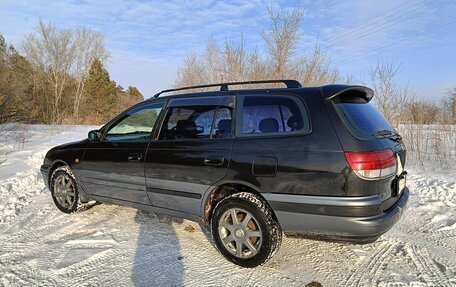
{"x":399,"y":183}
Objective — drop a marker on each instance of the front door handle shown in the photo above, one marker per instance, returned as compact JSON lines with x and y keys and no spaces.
{"x":214,"y":160}
{"x":134,"y":157}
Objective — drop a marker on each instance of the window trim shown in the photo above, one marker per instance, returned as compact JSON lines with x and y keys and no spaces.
{"x":118,"y":118}
{"x":240,"y":118}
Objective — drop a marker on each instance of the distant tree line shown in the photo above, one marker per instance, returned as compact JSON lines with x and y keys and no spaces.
{"x":233,"y":61}
{"x":59,"y":77}
{"x":401,"y":105}
{"x":284,"y":59}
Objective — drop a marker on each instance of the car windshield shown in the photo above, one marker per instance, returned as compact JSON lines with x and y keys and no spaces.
{"x":363,"y":118}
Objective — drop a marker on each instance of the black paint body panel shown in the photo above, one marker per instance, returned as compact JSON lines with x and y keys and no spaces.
{"x":172,"y":176}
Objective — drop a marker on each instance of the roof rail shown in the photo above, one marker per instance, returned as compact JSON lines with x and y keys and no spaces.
{"x":224,"y":86}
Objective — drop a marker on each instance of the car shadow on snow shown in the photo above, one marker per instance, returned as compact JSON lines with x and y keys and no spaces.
{"x":158,"y":256}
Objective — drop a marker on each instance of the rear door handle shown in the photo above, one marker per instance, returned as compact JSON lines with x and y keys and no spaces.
{"x":134,"y":157}
{"x":214,"y":160}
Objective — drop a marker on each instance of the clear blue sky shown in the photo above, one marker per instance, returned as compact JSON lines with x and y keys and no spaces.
{"x":149,"y":40}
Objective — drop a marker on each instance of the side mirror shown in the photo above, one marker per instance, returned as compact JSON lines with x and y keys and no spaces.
{"x":94,"y":135}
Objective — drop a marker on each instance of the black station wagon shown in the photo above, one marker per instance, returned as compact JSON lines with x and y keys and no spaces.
{"x":252,"y":164}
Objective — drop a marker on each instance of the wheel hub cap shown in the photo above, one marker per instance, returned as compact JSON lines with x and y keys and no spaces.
{"x":64,"y":191}
{"x":239,"y":233}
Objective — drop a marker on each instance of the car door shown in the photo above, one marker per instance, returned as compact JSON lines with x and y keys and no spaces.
{"x":191,"y":152}
{"x":113,"y":167}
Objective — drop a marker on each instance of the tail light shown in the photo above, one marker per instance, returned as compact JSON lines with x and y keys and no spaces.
{"x":372,"y":165}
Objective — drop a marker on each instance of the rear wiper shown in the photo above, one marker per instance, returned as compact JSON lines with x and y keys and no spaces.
{"x":384,"y":133}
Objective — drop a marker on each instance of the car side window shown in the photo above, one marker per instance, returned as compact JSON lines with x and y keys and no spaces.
{"x":190,"y":122}
{"x":135,"y":125}
{"x":222,"y":123}
{"x":269,"y":115}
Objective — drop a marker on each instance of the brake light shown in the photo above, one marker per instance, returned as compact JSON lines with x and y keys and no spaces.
{"x":372,"y":165}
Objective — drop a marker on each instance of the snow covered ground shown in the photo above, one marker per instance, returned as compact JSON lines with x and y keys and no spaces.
{"x":110,"y":245}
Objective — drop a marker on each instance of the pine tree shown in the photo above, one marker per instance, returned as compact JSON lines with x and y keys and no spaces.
{"x":452,"y":102}
{"x":134,"y":94}
{"x":100,"y":93}
{"x":2,"y":47}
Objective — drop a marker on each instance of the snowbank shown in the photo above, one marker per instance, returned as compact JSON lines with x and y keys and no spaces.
{"x":20,"y":177}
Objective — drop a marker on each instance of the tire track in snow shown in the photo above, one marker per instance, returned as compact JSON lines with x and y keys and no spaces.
{"x":370,"y":267}
{"x":426,"y":267}
{"x":37,"y":238}
{"x":325,"y":270}
{"x":53,"y":232}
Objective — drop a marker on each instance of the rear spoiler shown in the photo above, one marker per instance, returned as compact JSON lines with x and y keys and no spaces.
{"x":347,"y":93}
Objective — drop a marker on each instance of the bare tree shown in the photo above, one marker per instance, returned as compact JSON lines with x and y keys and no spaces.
{"x":52,"y":51}
{"x":315,"y":69}
{"x":389,"y":98}
{"x":192,"y":73}
{"x":281,"y":38}
{"x":451,"y":103}
{"x":89,"y":45}
{"x":421,"y":112}
{"x":235,"y":62}
{"x":213,"y":70}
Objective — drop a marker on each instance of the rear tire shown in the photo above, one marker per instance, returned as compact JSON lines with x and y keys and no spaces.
{"x":64,"y":189}
{"x":245,"y":230}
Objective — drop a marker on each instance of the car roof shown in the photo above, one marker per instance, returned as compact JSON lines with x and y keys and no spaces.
{"x":326,"y":91}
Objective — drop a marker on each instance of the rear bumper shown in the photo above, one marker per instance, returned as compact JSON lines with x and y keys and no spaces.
{"x":45,"y":173}
{"x":352,"y":227}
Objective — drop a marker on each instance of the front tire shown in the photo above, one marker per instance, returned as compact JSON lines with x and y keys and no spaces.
{"x":64,"y":189}
{"x":245,"y":230}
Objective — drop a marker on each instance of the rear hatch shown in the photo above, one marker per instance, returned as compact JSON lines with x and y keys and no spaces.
{"x":370,"y":131}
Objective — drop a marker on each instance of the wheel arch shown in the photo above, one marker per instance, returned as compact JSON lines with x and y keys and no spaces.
{"x":56,"y":164}
{"x":83,"y":195}
{"x":222,"y":190}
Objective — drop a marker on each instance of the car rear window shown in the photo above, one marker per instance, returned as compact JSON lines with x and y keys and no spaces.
{"x":363,"y":118}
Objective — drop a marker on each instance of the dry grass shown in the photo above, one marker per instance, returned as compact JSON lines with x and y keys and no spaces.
{"x":13,"y":136}
{"x":430,"y":145}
